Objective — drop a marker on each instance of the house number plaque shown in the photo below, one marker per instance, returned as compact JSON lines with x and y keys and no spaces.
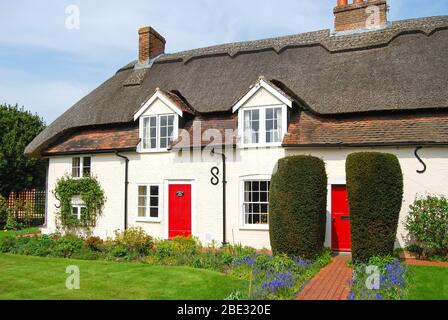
{"x":180,"y":193}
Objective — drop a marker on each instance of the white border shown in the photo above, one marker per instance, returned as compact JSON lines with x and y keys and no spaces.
{"x":157,"y":95}
{"x":261,"y":84}
{"x":243,"y":226}
{"x":169,"y":182}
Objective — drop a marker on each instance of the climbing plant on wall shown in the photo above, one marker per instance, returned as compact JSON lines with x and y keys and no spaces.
{"x":89,"y":191}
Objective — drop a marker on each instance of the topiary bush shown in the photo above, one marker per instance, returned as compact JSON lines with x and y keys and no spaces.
{"x":427,"y":224}
{"x":375,"y":192}
{"x":298,"y":203}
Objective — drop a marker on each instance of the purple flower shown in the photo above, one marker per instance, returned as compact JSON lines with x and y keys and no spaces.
{"x":278,"y":281}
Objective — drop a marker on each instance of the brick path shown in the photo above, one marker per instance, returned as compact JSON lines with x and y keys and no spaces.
{"x":331,"y":283}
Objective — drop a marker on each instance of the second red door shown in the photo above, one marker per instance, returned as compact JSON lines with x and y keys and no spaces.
{"x":179,"y":210}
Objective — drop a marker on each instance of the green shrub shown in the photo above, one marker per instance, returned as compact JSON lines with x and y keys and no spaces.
{"x":66,"y":246}
{"x":86,"y":253}
{"x":41,"y":246}
{"x":8,"y":244}
{"x":134,"y":240}
{"x":427,"y":224}
{"x":375,"y":191}
{"x":298,"y":201}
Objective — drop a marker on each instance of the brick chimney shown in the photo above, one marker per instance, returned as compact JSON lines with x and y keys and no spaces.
{"x":361,"y":14}
{"x":150,"y":43}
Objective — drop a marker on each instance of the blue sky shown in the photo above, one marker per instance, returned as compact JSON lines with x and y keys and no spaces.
{"x":47,"y":68}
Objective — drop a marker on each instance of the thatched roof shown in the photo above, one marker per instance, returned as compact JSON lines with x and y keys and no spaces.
{"x":401,"y":67}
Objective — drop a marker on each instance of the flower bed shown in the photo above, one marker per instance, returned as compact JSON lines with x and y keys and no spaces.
{"x":380,"y":279}
{"x":267,"y":276}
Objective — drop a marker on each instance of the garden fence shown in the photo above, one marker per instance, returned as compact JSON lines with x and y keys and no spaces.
{"x":28,"y":206}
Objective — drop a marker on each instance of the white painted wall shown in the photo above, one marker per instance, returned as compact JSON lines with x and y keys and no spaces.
{"x":160,"y":168}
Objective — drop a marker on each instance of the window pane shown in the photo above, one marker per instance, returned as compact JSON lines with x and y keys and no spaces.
{"x":142,"y":212}
{"x":154,"y":212}
{"x":142,"y":190}
{"x":264,"y":186}
{"x":86,"y":164}
{"x":76,"y":167}
{"x":149,"y":132}
{"x":273,"y":124}
{"x":142,"y":201}
{"x":154,"y":190}
{"x":251,"y":126}
{"x":75,"y":211}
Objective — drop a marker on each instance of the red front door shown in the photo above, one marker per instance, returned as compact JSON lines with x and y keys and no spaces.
{"x":179,"y":208}
{"x":340,"y":219}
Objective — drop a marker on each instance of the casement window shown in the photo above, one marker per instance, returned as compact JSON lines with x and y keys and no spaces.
{"x":81,"y":167}
{"x":158,"y":132}
{"x":255,"y":203}
{"x":263,"y":126}
{"x":78,"y":211}
{"x":149,"y":202}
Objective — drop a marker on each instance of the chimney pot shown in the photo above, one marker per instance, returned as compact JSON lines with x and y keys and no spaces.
{"x":151,"y":44}
{"x":342,"y":3}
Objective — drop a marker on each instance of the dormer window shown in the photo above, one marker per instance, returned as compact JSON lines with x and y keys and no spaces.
{"x":159,"y":121}
{"x":263,"y":125}
{"x":158,"y":131}
{"x":263,"y":115}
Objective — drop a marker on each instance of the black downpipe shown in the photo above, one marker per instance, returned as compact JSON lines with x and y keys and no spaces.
{"x":224,"y":196}
{"x":126,"y":184}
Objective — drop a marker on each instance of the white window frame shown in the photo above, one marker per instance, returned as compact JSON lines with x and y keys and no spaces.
{"x":79,"y":207}
{"x":262,"y":131}
{"x":81,"y":167}
{"x":148,"y":217}
{"x":158,"y":128}
{"x":243,"y":225}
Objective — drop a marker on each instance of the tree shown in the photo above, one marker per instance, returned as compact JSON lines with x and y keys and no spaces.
{"x":297,"y":207}
{"x":17,"y":129}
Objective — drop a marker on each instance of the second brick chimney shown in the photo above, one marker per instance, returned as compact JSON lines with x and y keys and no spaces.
{"x":360,"y":14}
{"x":151,"y":44}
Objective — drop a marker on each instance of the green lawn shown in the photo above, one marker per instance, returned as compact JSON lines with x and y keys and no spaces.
{"x":430,"y":283}
{"x":23,"y":277}
{"x":5,"y":233}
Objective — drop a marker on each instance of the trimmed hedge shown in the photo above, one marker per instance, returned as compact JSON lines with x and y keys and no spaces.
{"x":298,"y":200}
{"x":375,"y":192}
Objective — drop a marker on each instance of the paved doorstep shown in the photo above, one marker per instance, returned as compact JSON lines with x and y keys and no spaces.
{"x":331,"y":283}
